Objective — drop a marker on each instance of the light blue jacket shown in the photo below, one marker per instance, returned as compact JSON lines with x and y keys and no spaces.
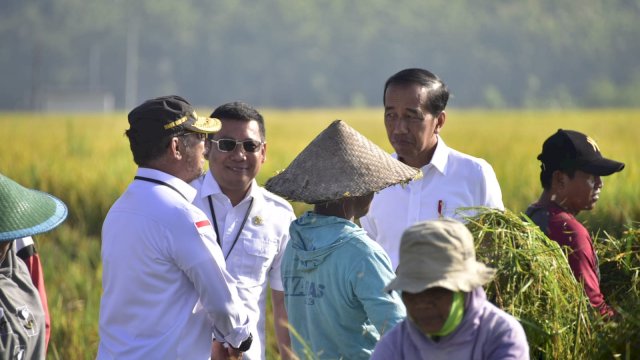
{"x":333,"y":276}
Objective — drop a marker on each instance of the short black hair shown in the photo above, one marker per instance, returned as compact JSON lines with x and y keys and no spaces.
{"x":146,"y":151}
{"x":546,"y":174}
{"x":240,"y":111}
{"x":437,"y":91}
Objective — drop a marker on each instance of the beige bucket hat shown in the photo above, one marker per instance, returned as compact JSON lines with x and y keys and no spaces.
{"x":340,"y":162}
{"x":439,"y":253}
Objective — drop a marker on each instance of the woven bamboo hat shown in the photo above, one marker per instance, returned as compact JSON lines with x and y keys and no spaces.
{"x":340,"y":162}
{"x":26,"y":212}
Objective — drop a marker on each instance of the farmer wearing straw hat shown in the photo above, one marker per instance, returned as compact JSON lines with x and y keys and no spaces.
{"x":448,"y":315}
{"x":25,"y":212}
{"x":572,"y":167}
{"x":414,"y":115}
{"x":333,"y":273}
{"x":166,"y":291}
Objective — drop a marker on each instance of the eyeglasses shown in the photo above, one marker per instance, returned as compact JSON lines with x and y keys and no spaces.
{"x":227,"y":145}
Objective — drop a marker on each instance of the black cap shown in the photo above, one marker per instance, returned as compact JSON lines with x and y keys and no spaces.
{"x":568,"y":149}
{"x":167,"y":116}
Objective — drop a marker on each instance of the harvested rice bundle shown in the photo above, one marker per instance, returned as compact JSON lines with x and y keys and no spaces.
{"x":534,"y":283}
{"x":620,"y":282}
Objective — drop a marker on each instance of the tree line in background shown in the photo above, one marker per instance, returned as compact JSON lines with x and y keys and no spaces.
{"x":324,"y":53}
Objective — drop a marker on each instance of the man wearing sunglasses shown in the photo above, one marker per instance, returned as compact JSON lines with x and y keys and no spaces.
{"x":252,"y":223}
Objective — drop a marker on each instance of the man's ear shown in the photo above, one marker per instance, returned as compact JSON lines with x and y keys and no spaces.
{"x":440,"y":120}
{"x":559,"y":179}
{"x":207,"y":149}
{"x":174,"y":148}
{"x":559,"y":187}
{"x":264,"y":152}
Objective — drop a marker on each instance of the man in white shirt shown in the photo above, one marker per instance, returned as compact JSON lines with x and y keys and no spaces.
{"x":166,"y":292}
{"x":251,"y":223}
{"x":414,"y":114}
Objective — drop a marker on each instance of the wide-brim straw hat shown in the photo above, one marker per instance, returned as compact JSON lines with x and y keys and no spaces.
{"x":439,"y":253}
{"x":340,"y":162}
{"x":26,"y":212}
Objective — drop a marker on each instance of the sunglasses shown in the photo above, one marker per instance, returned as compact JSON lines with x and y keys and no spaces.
{"x":226,"y":145}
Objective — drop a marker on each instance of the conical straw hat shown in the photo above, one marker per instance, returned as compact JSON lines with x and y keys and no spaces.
{"x":340,"y":162}
{"x":25,"y":212}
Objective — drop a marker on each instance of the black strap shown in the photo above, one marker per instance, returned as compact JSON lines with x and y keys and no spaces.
{"x":215,"y":225}
{"x":155,"y":181}
{"x":27,"y":252}
{"x":215,"y":222}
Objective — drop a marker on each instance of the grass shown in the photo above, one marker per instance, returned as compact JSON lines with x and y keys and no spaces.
{"x":84,"y":159}
{"x":535,"y":284}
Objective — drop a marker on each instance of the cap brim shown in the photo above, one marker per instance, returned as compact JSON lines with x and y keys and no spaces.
{"x":602,"y":167}
{"x":206,"y":125}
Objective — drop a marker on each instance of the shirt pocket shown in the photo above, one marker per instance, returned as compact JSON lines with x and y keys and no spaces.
{"x":453,"y":205}
{"x":257,"y":258}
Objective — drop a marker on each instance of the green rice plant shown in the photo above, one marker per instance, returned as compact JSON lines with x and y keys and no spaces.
{"x":85,"y":160}
{"x":535,"y":284}
{"x":620,"y":282}
{"x":308,"y":353}
{"x":71,"y":263}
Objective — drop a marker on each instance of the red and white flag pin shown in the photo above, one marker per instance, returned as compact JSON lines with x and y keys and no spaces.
{"x":202,"y":225}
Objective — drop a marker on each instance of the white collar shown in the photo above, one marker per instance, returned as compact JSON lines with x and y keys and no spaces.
{"x":210,"y":187}
{"x":440,"y":156}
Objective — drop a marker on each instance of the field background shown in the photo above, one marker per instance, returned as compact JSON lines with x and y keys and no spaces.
{"x":85,"y":161}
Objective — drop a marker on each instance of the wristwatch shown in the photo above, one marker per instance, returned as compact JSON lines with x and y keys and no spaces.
{"x":245,"y":345}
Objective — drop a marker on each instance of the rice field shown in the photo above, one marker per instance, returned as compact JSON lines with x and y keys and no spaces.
{"x":84,"y":159}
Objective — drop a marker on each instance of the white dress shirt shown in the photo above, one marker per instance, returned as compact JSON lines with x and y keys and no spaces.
{"x":165,"y":287}
{"x":256,"y":256}
{"x":450,"y":181}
